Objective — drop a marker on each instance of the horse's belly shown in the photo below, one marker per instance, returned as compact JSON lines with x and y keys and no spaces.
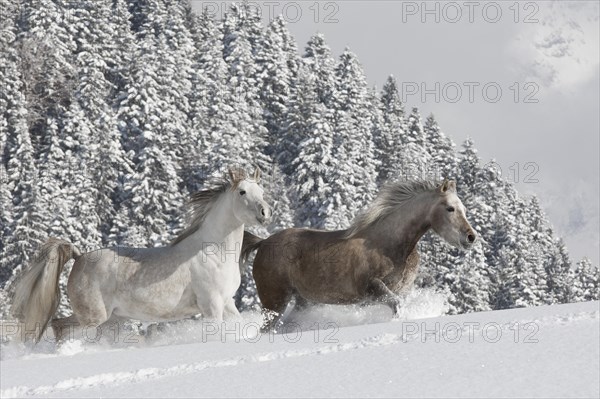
{"x":329,"y":289}
{"x":169,"y":299}
{"x":165,"y":308}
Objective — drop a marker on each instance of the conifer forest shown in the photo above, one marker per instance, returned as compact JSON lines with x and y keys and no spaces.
{"x":113,"y":112}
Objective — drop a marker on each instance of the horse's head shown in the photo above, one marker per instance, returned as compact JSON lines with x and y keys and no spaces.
{"x":448,"y":217}
{"x":249,"y":207}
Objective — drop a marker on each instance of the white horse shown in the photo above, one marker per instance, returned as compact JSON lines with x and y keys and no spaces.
{"x":197,"y":274}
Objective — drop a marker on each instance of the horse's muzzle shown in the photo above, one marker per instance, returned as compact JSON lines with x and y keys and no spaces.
{"x":468,"y":239}
{"x":264,"y":215}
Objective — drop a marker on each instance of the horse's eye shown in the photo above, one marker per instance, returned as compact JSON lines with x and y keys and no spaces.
{"x":242,"y":192}
{"x":450,"y":209}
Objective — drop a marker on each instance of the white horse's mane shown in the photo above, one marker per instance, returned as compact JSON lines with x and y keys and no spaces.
{"x":391,"y":196}
{"x":202,"y":201}
{"x":200,"y":204}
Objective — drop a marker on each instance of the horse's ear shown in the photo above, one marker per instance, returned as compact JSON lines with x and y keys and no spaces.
{"x":257,"y":174}
{"x":444,"y":186}
{"x":447,"y":185}
{"x":236,"y":175}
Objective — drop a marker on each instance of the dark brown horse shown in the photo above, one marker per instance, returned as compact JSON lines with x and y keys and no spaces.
{"x":375,"y":259}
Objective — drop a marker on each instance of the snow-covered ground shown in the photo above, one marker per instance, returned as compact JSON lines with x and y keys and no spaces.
{"x":550,"y":351}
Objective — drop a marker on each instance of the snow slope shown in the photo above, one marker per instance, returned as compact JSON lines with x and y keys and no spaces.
{"x":550,"y":351}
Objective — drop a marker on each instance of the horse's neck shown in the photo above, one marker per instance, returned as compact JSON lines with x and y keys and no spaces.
{"x":400,"y":232}
{"x":220,"y":231}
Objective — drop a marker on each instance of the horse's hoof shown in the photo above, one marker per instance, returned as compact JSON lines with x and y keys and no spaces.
{"x":396,"y":312}
{"x":266,"y":330}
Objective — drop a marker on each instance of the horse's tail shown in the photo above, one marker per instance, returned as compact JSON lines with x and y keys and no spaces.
{"x":36,"y":294}
{"x":250,"y":244}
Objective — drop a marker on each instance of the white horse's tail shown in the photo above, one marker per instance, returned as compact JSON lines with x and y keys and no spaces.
{"x":37,"y":294}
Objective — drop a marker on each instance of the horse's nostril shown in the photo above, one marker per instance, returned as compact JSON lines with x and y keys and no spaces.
{"x":471,"y":237}
{"x":262,"y":211}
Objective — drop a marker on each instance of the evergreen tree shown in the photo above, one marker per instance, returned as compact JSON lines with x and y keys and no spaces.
{"x":319,"y":62}
{"x":388,"y":143}
{"x":469,"y":165}
{"x":468,"y":282}
{"x":313,"y":198}
{"x":152,"y":126}
{"x":241,"y":39}
{"x":46,"y":49}
{"x":213,"y":115}
{"x":441,"y":149}
{"x":354,"y":175}
{"x":586,"y":281}
{"x":559,"y":275}
{"x":415,"y":157}
{"x":278,"y":62}
{"x":26,"y":231}
{"x":316,"y":66}
{"x":12,"y":108}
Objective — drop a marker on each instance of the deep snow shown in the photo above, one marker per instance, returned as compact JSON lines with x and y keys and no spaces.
{"x":550,"y":351}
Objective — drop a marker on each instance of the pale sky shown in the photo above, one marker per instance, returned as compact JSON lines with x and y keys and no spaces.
{"x":520,"y":78}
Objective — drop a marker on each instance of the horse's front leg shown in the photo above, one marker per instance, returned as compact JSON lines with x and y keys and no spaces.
{"x":380,"y":292}
{"x":230,"y":311}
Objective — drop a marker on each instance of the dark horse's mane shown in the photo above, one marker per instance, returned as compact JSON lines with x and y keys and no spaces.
{"x":391,"y":196}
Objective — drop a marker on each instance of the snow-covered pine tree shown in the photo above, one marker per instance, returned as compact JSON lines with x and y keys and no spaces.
{"x":242,"y":31}
{"x":586,"y":281}
{"x":11,"y":105}
{"x":441,"y":149}
{"x":79,"y":193}
{"x":468,"y":167}
{"x":540,"y":242}
{"x":46,"y":47}
{"x":467,"y":281}
{"x":278,"y":61}
{"x":415,"y":158}
{"x":559,"y":274}
{"x":316,"y":65}
{"x":355,"y":174}
{"x":6,"y":212}
{"x":318,"y":61}
{"x":312,"y":197}
{"x":46,"y":50}
{"x":212,"y":114}
{"x":26,"y":231}
{"x":92,"y":116}
{"x":518,"y":264}
{"x":388,"y":143}
{"x":176,"y":75}
{"x":152,"y":125}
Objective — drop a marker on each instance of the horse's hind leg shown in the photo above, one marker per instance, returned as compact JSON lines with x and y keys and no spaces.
{"x":91,"y":313}
{"x":274,"y":296}
{"x":274,"y":307}
{"x":275,"y":321}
